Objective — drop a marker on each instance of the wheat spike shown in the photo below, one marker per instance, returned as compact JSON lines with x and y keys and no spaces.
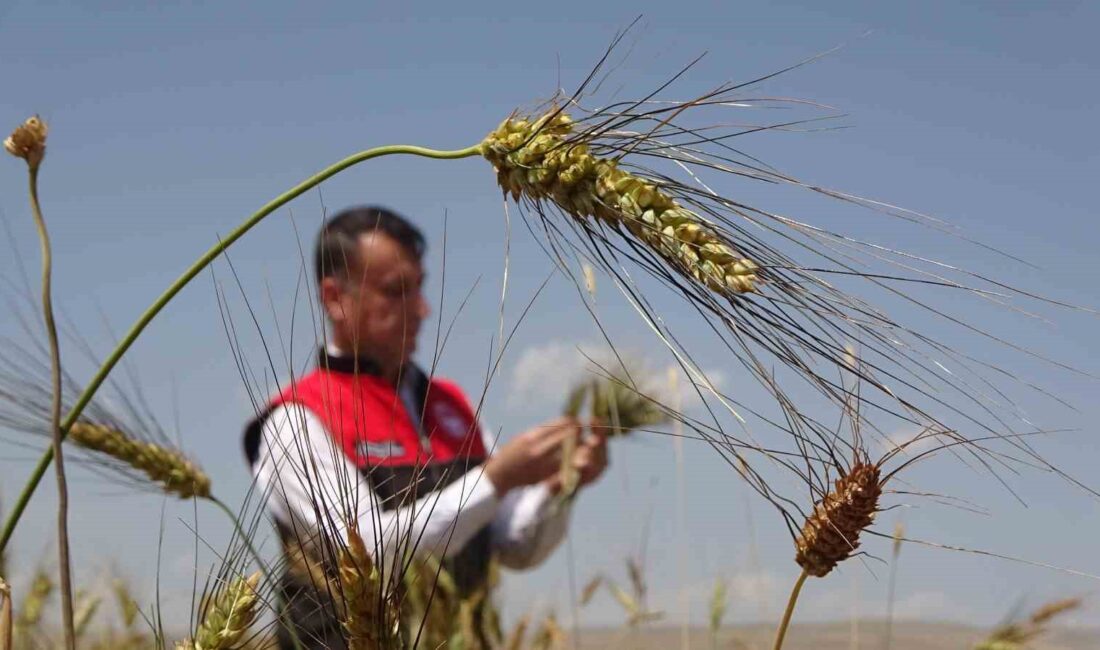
{"x":831,"y":533}
{"x":717,"y":606}
{"x":360,"y":587}
{"x":590,"y":589}
{"x":28,"y":141}
{"x":549,"y":634}
{"x":166,"y":467}
{"x":1048,"y":611}
{"x":534,"y":158}
{"x":83,"y":618}
{"x":127,"y":607}
{"x":42,"y":587}
{"x":1016,"y":636}
{"x":228,"y":617}
{"x":518,"y":634}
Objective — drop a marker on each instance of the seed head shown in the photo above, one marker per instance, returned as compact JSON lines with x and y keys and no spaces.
{"x":536,"y":159}
{"x":831,"y":533}
{"x":229,"y":616}
{"x":28,"y":141}
{"x":169,"y":468}
{"x":360,"y":586}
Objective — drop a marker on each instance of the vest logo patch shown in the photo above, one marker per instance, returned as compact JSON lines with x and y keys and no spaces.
{"x":383,"y":449}
{"x":450,"y":420}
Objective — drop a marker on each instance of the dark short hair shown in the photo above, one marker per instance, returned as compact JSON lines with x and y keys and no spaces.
{"x":338,"y":242}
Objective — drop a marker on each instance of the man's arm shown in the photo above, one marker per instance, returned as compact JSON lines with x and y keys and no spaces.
{"x":528,"y":527}
{"x":531,"y":522}
{"x":311,"y":486}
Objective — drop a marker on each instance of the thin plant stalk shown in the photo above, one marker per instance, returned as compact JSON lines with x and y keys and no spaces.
{"x":64,"y":567}
{"x":5,"y":615}
{"x":899,"y":533}
{"x":781,"y":633}
{"x":173,"y":289}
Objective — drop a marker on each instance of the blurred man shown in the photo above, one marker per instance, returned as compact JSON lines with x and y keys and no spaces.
{"x":368,"y":439}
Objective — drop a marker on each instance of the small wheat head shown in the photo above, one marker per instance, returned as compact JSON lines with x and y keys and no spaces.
{"x":28,"y":141}
{"x":229,"y":616}
{"x":831,"y":534}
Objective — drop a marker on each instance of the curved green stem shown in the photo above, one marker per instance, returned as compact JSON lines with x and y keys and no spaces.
{"x":188,"y":275}
{"x":782,"y":631}
{"x":63,"y":563}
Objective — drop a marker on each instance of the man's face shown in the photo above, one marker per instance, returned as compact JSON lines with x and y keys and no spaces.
{"x":378,"y":309}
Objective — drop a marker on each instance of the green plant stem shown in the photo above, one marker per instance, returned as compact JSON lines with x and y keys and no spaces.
{"x":64,"y":566}
{"x":188,"y":275}
{"x":782,"y":631}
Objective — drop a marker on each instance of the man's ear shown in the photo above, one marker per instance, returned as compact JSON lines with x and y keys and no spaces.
{"x":332,"y":293}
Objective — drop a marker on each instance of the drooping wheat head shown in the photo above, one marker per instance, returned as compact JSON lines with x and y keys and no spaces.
{"x":535,"y":159}
{"x":166,"y":467}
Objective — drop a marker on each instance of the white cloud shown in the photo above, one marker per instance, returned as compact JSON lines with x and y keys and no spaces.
{"x":543,"y":373}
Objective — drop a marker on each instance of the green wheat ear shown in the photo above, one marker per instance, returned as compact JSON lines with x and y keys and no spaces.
{"x":535,"y":160}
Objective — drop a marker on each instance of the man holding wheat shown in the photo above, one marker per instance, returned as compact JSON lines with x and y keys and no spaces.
{"x":368,"y":441}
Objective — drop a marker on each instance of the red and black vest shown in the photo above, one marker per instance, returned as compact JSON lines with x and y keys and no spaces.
{"x":403,"y":456}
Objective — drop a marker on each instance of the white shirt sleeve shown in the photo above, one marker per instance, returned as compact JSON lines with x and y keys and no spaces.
{"x":311,"y":486}
{"x":527,"y":526}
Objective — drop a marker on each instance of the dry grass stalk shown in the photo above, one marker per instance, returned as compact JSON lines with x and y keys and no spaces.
{"x":831,"y":533}
{"x":28,"y":141}
{"x":5,"y":616}
{"x":1017,"y":635}
{"x":228,"y":616}
{"x":168,"y":468}
{"x":534,"y":159}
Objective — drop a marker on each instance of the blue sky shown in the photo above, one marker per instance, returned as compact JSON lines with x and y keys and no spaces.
{"x":171,"y":123}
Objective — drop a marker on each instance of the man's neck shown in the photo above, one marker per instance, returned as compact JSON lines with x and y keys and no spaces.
{"x":391,"y":375}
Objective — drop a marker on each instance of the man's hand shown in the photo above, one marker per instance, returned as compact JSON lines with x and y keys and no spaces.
{"x":589,"y":460}
{"x":531,"y":457}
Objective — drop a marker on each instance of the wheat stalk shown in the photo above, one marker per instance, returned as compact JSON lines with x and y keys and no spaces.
{"x":5,"y":616}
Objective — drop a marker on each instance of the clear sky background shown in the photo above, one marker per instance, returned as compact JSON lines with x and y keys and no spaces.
{"x":171,"y":123}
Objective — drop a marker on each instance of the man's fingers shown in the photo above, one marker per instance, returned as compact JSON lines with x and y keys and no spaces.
{"x":552,"y":437}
